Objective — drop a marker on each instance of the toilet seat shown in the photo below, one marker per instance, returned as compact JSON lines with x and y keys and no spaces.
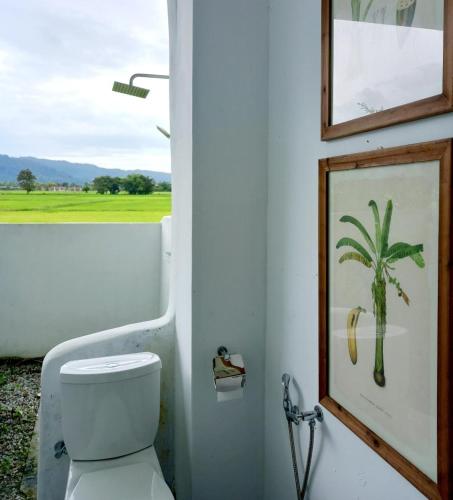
{"x":133,"y":482}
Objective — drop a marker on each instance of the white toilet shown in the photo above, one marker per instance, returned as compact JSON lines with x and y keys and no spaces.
{"x":110,"y":415}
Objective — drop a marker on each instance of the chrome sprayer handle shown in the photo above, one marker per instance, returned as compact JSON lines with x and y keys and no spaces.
{"x":292,"y":412}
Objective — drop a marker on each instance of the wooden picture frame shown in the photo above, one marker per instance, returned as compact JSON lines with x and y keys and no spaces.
{"x":429,"y":106}
{"x":401,"y":157}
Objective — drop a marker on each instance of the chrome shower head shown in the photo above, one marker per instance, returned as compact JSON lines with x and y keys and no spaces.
{"x":124,"y":88}
{"x":131,"y":89}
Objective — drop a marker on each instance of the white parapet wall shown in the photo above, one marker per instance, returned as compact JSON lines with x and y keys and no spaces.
{"x":155,"y":335}
{"x":61,"y":281}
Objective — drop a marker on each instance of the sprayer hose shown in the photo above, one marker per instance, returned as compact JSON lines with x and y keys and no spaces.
{"x":301,"y":492}
{"x":293,"y":456}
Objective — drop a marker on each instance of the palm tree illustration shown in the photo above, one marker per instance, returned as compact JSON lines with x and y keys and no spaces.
{"x":380,"y":258}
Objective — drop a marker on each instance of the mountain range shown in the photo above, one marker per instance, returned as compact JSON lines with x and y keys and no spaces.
{"x":64,"y":171}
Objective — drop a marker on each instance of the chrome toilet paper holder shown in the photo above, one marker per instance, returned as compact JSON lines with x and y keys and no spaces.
{"x":223,"y":351}
{"x":227,"y":368}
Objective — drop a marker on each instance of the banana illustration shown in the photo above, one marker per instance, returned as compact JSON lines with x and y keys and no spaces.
{"x":353,"y":319}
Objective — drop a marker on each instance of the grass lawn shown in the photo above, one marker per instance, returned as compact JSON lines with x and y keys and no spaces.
{"x":19,"y":207}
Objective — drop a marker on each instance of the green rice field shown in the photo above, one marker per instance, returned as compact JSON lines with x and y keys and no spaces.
{"x":18,"y":207}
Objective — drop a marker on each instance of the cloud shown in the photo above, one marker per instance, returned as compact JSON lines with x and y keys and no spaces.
{"x":57,"y":64}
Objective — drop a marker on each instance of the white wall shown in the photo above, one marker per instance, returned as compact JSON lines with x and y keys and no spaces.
{"x":228,"y":240}
{"x":219,"y":167}
{"x":345,"y":467}
{"x":60,"y":281}
{"x":180,"y":25}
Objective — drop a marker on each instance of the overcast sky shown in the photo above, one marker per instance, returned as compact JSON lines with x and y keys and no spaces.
{"x":58,"y":60}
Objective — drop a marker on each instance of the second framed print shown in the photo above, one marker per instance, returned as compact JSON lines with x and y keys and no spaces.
{"x":385,"y":325}
{"x":384,"y":62}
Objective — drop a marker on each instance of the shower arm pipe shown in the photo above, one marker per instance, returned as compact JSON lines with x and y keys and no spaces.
{"x":147,"y":75}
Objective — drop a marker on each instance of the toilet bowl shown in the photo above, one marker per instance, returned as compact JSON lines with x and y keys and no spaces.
{"x":110,"y":415}
{"x":137,"y":477}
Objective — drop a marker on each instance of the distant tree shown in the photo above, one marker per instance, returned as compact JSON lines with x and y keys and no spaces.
{"x":115,"y":185}
{"x":26,"y":180}
{"x":106,"y":184}
{"x":86,"y":187}
{"x":101,"y":184}
{"x":138,"y":184}
{"x":164,"y":186}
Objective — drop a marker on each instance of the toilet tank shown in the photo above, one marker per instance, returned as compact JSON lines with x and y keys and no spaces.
{"x":110,"y":405}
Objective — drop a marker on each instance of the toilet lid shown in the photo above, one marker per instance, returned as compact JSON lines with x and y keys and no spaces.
{"x":131,"y":482}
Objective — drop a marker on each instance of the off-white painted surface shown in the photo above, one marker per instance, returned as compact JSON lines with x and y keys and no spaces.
{"x":60,"y":281}
{"x":181,"y":28}
{"x":219,"y":168}
{"x":229,"y":189}
{"x":165,"y":264}
{"x":344,"y":467}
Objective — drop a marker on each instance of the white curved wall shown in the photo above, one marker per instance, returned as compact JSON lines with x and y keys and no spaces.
{"x":60,"y":281}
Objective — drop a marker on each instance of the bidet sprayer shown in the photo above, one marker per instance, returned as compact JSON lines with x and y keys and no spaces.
{"x":294,"y":416}
{"x":292,"y":412}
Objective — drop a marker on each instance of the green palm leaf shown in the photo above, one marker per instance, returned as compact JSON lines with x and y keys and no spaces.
{"x":367,"y":10}
{"x":350,"y":242}
{"x":395,"y":247}
{"x":377,"y":224}
{"x":418,"y":259}
{"x":355,"y":8}
{"x":361,"y":228}
{"x":355,"y":256}
{"x":408,"y":251}
{"x":386,"y":227}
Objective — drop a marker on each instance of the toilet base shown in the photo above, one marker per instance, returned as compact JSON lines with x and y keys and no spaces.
{"x":137,"y":476}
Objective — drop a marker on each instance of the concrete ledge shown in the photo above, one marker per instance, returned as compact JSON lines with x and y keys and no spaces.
{"x":154,"y":336}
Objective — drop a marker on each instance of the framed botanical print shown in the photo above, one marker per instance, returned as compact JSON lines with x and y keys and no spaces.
{"x":384,"y":62}
{"x":385,"y":302}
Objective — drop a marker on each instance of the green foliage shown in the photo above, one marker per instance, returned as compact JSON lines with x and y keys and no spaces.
{"x":402,"y":253}
{"x":361,"y":228}
{"x":164,"y":186}
{"x":386,"y":228}
{"x":26,"y":180}
{"x":367,"y":9}
{"x":355,"y":256}
{"x":377,"y":224}
{"x":400,"y":291}
{"x":350,"y":242}
{"x":355,"y":8}
{"x":18,"y":413}
{"x":138,"y":184}
{"x":5,"y":465}
{"x":384,"y":256}
{"x":86,"y":188}
{"x":418,"y":259}
{"x":106,"y":184}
